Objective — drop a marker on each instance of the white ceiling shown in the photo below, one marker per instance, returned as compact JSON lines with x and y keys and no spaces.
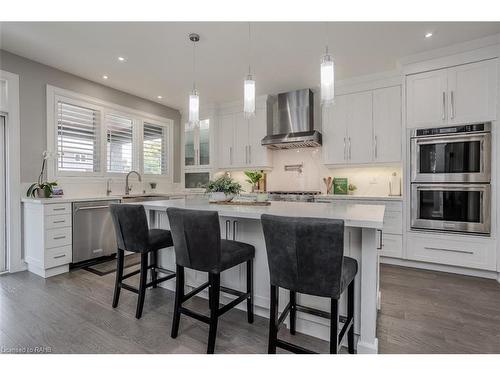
{"x":286,"y":55}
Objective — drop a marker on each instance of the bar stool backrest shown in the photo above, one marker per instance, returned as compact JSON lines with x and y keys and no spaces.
{"x":305,"y":255}
{"x":196,"y":237}
{"x":131,"y":227}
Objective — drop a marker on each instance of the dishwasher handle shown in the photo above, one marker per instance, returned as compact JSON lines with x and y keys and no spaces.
{"x":90,"y":208}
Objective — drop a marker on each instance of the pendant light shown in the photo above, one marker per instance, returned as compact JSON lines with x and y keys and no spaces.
{"x":194,"y":98}
{"x":327,"y":76}
{"x":249,"y":85}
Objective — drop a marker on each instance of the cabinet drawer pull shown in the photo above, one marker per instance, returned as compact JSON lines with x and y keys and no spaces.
{"x":451,"y":250}
{"x":59,"y":256}
{"x":59,"y":237}
{"x":59,"y":209}
{"x":59,"y":221}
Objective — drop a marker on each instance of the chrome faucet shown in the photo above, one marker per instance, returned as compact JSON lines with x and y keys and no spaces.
{"x":127,"y":186}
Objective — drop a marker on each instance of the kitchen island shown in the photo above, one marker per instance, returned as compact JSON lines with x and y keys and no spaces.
{"x":242,"y":223}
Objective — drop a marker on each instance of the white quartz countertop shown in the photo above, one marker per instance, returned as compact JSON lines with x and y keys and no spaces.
{"x":70,"y":199}
{"x":359,"y":197}
{"x":354,"y":215}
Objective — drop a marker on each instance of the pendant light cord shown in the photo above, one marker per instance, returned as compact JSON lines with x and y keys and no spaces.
{"x":326,"y":36}
{"x":249,"y":48}
{"x":194,"y":66}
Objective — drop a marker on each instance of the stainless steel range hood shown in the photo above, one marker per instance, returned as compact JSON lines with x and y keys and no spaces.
{"x":293,"y":125}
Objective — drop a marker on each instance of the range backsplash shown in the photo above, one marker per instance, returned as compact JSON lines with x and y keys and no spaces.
{"x":369,"y":180}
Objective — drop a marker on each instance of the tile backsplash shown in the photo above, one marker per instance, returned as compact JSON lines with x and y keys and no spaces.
{"x":369,"y":180}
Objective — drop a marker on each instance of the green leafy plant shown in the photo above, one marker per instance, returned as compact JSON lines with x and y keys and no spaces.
{"x":253,"y":176}
{"x":224,"y":184}
{"x":47,"y":187}
{"x":40,"y":185}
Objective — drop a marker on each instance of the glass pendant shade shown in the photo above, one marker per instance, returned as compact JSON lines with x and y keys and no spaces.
{"x":327,"y":80}
{"x":194,"y":108}
{"x":249,"y":97}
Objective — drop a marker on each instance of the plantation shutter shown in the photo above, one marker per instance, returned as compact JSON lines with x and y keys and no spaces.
{"x":154,"y":149}
{"x":119,"y":134}
{"x":77,"y":138}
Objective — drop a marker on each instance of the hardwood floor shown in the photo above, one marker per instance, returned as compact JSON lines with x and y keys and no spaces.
{"x":422,"y":312}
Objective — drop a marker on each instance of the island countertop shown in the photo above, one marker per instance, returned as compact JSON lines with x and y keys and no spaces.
{"x":354,"y":215}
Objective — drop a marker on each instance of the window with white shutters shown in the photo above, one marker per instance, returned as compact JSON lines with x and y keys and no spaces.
{"x":119,"y":140}
{"x":154,"y":149}
{"x":77,"y":138}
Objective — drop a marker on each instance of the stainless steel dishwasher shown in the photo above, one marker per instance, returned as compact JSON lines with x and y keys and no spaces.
{"x":93,"y":232}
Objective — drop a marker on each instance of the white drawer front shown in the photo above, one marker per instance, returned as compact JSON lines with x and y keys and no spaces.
{"x":57,"y":237}
{"x":393,"y":222}
{"x":57,"y":209}
{"x":57,"y":221}
{"x":58,"y":256}
{"x":479,"y":254}
{"x":392,"y":246}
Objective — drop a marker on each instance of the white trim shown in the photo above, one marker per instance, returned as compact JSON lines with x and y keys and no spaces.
{"x":139,"y":117}
{"x":13,"y":172}
{"x":450,"y":50}
{"x":440,"y":268}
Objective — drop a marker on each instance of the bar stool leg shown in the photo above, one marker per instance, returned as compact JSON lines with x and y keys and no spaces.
{"x":142,"y":284}
{"x":214,"y":292}
{"x":350,"y":316}
{"x":250,"y":291}
{"x":154,"y":262}
{"x":179,"y":295}
{"x":334,"y":323}
{"x":273,"y":319}
{"x":293,"y":311}
{"x":119,"y":274}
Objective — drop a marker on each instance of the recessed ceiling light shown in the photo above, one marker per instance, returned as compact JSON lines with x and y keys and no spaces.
{"x":121,"y":59}
{"x":105,"y":77}
{"x":160,"y":97}
{"x":428,"y":35}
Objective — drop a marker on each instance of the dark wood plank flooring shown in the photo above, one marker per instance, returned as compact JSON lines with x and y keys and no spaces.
{"x":422,"y":312}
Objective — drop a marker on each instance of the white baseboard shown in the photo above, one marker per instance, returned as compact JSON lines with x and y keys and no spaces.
{"x":441,"y":268}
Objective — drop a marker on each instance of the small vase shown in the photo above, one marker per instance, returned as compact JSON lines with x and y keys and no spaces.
{"x":220,"y":196}
{"x":40,"y":193}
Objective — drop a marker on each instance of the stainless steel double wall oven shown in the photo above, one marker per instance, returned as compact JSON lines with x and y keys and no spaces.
{"x":450,"y":178}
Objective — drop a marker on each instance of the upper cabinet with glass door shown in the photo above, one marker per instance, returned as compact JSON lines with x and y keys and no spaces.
{"x":197,"y":145}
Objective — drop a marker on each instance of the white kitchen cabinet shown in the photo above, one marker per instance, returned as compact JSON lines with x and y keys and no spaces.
{"x":472,"y":92}
{"x":426,"y":99}
{"x":479,"y":253}
{"x":359,"y":127}
{"x":461,"y":94}
{"x":387,"y":125}
{"x":225,"y":139}
{"x":363,"y":128}
{"x":335,"y":131}
{"x":258,"y":155}
{"x":47,"y":234}
{"x":239,"y":140}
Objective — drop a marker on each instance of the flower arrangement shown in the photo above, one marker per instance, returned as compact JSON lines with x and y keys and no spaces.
{"x":42,"y":189}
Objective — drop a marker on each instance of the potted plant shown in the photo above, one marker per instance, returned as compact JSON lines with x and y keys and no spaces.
{"x":223,"y":189}
{"x":253,"y":179}
{"x":41,"y":189}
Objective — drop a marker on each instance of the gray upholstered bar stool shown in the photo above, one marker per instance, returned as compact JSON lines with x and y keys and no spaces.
{"x":306,"y":255}
{"x":198,"y":246}
{"x":133,"y":234}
